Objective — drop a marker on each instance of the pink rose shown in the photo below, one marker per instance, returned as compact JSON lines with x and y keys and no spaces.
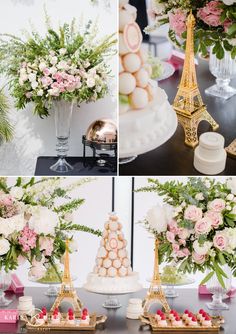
{"x":46,"y":245}
{"x":173,"y":227}
{"x":170,"y":236}
{"x":215,"y":217}
{"x":193,"y":213}
{"x":217,"y":204}
{"x":46,"y":81}
{"x":186,"y":251}
{"x":182,"y":242}
{"x":183,"y":233}
{"x":210,"y":14}
{"x":177,"y":20}
{"x":175,"y":247}
{"x":227,"y":24}
{"x":220,"y":241}
{"x":199,"y":259}
{"x":203,"y":226}
{"x":38,"y":271}
{"x":180,"y":254}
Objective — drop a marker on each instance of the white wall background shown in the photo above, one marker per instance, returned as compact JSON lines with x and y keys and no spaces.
{"x":94,"y":213}
{"x":35,"y":137}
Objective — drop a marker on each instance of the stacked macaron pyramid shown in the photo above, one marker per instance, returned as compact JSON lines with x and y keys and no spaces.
{"x":144,"y":108}
{"x":112,"y":272}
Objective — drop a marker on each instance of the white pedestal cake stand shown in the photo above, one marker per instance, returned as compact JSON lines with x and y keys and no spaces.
{"x":149,"y":139}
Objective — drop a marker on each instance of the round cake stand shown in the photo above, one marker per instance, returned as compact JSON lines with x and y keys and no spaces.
{"x":132,"y":154}
{"x":171,"y":292}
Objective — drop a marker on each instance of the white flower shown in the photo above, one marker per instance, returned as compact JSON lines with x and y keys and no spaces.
{"x":230,"y":197}
{"x":17,"y":192}
{"x":232,"y":41}
{"x":34,"y":84}
{"x":199,"y":197}
{"x":157,"y":219}
{"x":53,"y":70}
{"x":90,"y":82}
{"x":202,"y":249}
{"x":24,"y":77}
{"x":53,"y":60}
{"x":32,"y":77}
{"x":42,"y":66}
{"x":231,"y":184}
{"x":62,"y":65}
{"x":40,"y":92}
{"x":62,"y":51}
{"x":228,"y":207}
{"x":12,"y":224}
{"x":157,"y":7}
{"x":54,"y":91}
{"x":229,"y":2}
{"x":43,"y":221}
{"x":4,"y":246}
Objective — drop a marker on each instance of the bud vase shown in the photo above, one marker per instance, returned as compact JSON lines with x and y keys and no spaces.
{"x":224,"y":70}
{"x":63,"y":113}
{"x":5,"y":282}
{"x":218,"y":291}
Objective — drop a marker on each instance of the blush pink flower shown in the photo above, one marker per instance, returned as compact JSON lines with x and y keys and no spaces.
{"x":210,"y":14}
{"x":6,"y":200}
{"x":173,"y":226}
{"x":46,"y":81}
{"x":46,"y":245}
{"x":217,"y":204}
{"x":46,"y":71}
{"x":203,"y":226}
{"x":27,"y":239}
{"x":215,"y":217}
{"x":220,"y":241}
{"x":193,"y":213}
{"x":170,"y":236}
{"x":199,"y":259}
{"x":183,"y":233}
{"x":227,"y":23}
{"x":175,"y":248}
{"x":177,"y":20}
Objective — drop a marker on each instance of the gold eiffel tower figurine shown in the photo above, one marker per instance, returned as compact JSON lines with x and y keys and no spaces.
{"x":67,"y":291}
{"x":188,"y":102}
{"x":155,"y":293}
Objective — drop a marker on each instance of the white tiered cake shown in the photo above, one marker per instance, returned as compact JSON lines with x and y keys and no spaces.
{"x":112,"y":273}
{"x":147,"y":120}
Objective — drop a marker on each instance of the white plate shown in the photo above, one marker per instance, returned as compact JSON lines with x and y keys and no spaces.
{"x":168,"y":71}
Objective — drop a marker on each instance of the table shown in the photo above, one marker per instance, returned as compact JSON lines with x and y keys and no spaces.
{"x":117,"y":322}
{"x":82,"y":166}
{"x":174,"y":157}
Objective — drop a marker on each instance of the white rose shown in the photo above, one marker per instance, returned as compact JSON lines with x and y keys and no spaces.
{"x":17,"y":192}
{"x":54,"y":92}
{"x":202,"y":249}
{"x":199,"y":197}
{"x":90,"y":82}
{"x":229,"y":2}
{"x":53,"y":60}
{"x":42,"y":66}
{"x":32,"y":77}
{"x":12,"y":224}
{"x":53,"y":70}
{"x":4,"y":246}
{"x":43,"y":221}
{"x":231,"y":184}
{"x":62,"y":65}
{"x":40,"y":92}
{"x":62,"y":51}
{"x":34,"y":84}
{"x":157,"y":219}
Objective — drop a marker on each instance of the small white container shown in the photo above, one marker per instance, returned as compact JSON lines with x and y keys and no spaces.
{"x":210,"y":156}
{"x":26,"y":306}
{"x":134,"y":309}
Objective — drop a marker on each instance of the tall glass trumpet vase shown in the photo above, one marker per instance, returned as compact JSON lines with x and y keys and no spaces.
{"x":218,"y":292}
{"x":63,"y":114}
{"x":224,"y":70}
{"x":5,"y":282}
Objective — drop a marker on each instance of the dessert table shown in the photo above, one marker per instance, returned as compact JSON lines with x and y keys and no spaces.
{"x":174,"y":157}
{"x":117,"y":322}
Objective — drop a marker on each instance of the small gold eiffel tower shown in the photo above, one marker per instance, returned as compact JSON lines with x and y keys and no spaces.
{"x":67,"y":291}
{"x":188,"y":102}
{"x":155,"y":293}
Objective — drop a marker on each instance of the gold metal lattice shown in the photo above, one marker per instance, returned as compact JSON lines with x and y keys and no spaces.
{"x":188,"y":102}
{"x":67,"y":291}
{"x":155,"y":293}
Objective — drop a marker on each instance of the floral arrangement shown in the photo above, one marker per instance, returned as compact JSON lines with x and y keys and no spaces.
{"x":197,"y":225}
{"x":35,"y":220}
{"x":68,"y":64}
{"x":215,"y":23}
{"x":6,"y":129}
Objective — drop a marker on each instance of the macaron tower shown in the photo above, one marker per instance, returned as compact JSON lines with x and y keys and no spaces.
{"x":144,"y":108}
{"x":135,"y":88}
{"x":112,"y":271}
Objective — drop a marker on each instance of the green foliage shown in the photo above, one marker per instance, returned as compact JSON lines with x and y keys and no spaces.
{"x":6,"y":129}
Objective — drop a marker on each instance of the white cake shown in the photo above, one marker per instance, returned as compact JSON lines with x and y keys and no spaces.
{"x":147,"y":119}
{"x":112,"y":273}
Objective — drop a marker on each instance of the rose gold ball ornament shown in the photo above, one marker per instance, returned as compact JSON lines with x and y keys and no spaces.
{"x":102,"y":131}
